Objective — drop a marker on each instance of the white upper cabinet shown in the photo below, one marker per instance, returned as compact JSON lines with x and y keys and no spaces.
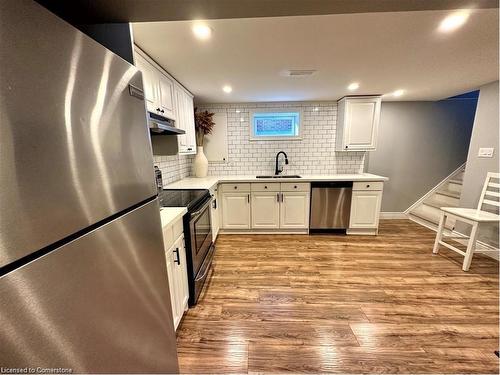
{"x":166,"y":97}
{"x":149,"y":83}
{"x":357,"y":123}
{"x":158,"y":86}
{"x":185,"y":120}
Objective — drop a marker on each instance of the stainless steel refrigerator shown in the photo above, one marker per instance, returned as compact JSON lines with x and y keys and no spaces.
{"x":83,"y":282}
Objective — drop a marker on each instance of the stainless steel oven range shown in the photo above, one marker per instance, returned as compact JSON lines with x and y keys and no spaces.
{"x":197,"y":234}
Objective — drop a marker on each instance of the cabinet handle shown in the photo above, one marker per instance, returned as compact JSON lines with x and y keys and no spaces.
{"x":248,"y":198}
{"x":265,"y":187}
{"x":190,"y":149}
{"x":236,"y":187}
{"x":162,"y":111}
{"x":178,"y":260}
{"x":214,"y":204}
{"x":367,"y":186}
{"x":295,"y":187}
{"x":158,"y":109}
{"x":277,"y":197}
{"x":281,"y":197}
{"x":346,"y":146}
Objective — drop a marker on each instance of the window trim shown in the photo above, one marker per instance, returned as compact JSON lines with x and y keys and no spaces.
{"x":252,"y":112}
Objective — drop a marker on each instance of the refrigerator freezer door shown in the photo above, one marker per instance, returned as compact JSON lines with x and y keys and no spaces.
{"x":98,"y":304}
{"x":74,"y":143}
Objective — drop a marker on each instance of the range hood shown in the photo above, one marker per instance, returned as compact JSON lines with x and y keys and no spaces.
{"x":159,"y":125}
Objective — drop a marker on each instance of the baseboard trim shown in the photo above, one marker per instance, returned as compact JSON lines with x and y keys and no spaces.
{"x":263,"y":231}
{"x":362,"y":231}
{"x":393,"y":215}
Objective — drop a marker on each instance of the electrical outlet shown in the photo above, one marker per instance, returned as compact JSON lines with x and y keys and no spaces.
{"x":485,"y":152}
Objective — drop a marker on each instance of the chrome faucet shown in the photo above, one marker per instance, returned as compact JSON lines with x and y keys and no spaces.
{"x":277,"y":170}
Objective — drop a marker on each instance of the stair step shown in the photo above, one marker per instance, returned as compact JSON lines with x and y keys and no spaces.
{"x":432,"y":216}
{"x":449,"y":193}
{"x":438,"y":203}
{"x":456,"y":181}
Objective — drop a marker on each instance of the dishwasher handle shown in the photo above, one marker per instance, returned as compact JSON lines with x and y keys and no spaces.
{"x":331,"y":184}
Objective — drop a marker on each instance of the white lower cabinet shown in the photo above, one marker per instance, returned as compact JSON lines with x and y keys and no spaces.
{"x":264,"y":206}
{"x":175,"y":255}
{"x":236,"y":210}
{"x":294,"y":210}
{"x":365,"y":209}
{"x":215,"y":213}
{"x":177,"y":277}
{"x":265,"y":210}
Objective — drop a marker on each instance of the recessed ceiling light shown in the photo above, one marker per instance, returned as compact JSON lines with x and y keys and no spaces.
{"x":454,"y":21}
{"x":353,"y":86}
{"x":238,"y":111}
{"x":398,"y":92}
{"x":202,"y":32}
{"x":316,"y":109}
{"x":227,"y":89}
{"x":242,"y":119}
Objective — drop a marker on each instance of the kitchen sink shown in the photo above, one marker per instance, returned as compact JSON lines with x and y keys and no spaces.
{"x":280,"y":176}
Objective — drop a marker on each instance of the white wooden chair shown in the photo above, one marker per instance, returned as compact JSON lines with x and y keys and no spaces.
{"x":473,"y":216}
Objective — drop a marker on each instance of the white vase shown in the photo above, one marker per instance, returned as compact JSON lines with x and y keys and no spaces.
{"x":200,"y":163}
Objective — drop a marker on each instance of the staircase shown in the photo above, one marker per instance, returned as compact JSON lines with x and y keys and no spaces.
{"x":427,"y":211}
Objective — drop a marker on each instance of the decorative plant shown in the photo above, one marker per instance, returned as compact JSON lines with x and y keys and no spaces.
{"x":203,"y":123}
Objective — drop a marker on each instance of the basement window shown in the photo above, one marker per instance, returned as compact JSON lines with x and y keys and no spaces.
{"x":275,"y":124}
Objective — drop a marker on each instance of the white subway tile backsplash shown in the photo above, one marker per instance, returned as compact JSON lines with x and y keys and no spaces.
{"x":313,"y":154}
{"x":173,"y":168}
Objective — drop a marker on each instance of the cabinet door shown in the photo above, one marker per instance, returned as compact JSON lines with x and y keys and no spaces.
{"x":236,"y":210}
{"x":185,"y":121}
{"x":294,"y":210}
{"x":361,"y":123}
{"x":173,"y":286}
{"x":181,"y":274}
{"x":365,"y":209}
{"x":181,"y":121}
{"x":166,"y":87}
{"x":214,"y":211}
{"x":190,"y":129}
{"x":150,"y":83}
{"x":265,"y":210}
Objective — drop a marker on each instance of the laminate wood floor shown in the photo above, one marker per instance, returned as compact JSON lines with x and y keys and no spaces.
{"x":345,"y":304}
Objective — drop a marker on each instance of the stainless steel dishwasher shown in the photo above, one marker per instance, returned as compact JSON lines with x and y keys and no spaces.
{"x":330,"y":207}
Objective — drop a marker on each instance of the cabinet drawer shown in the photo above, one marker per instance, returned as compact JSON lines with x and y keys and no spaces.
{"x":168,"y":237}
{"x":262,"y":186}
{"x":367,"y":185}
{"x":234,"y":188}
{"x":295,"y":186}
{"x":177,"y":229}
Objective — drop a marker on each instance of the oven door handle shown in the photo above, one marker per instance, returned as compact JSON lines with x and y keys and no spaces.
{"x":207,"y":264}
{"x":197,"y":213}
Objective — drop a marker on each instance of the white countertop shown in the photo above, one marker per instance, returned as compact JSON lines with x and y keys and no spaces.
{"x":171,"y":214}
{"x":210,"y":181}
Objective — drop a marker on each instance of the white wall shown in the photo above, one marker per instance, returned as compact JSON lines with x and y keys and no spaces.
{"x":419,"y":144}
{"x":484,"y":134}
{"x":314,"y":154}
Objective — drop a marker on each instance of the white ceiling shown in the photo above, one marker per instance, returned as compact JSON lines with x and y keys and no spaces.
{"x":381,"y":51}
